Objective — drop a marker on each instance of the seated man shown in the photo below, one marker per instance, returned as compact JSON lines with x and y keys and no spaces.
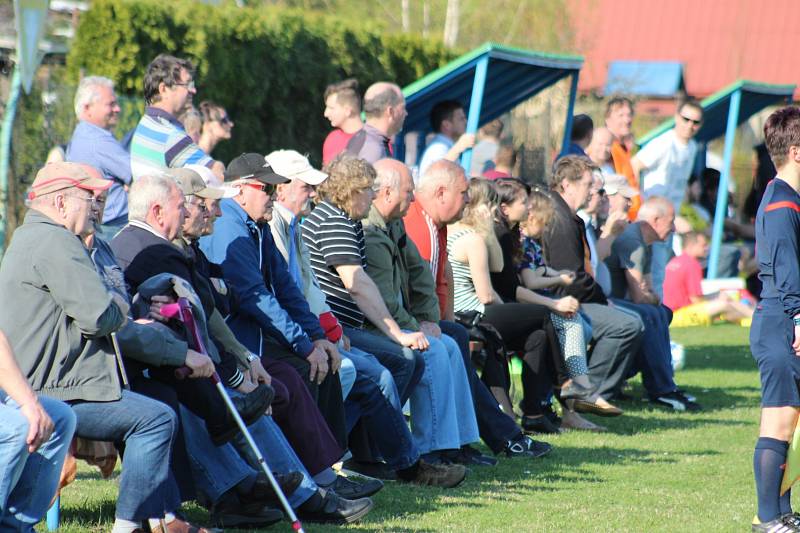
{"x":374,"y":398}
{"x":683,"y":292}
{"x":441,"y":404}
{"x":149,"y":194}
{"x":59,"y":328}
{"x":35,"y":433}
{"x":439,"y":201}
{"x":631,"y":289}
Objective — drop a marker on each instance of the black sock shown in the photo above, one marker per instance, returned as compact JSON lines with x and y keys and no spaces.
{"x":769,"y":459}
{"x":314,"y":503}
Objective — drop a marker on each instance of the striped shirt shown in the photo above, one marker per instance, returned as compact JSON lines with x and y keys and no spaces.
{"x":334,"y":239}
{"x":160,"y":142}
{"x":465,"y":297}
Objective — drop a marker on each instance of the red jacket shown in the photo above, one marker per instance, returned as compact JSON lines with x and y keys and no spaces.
{"x":432,"y":245}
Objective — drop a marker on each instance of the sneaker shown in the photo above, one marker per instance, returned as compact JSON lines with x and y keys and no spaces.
{"x":524,"y":446}
{"x":773,"y":526}
{"x":792,"y":520}
{"x":353,"y":490}
{"x":688,"y":396}
{"x":444,"y":476}
{"x":676,"y":401}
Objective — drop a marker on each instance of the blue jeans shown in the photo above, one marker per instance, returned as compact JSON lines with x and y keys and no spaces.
{"x":147,"y":428}
{"x":662,"y":253}
{"x":442,"y":413}
{"x":29,"y":481}
{"x":654,"y":359}
{"x":215,"y":469}
{"x":375,"y":399}
{"x":347,"y":375}
{"x":406,"y":365}
{"x":278,"y":454}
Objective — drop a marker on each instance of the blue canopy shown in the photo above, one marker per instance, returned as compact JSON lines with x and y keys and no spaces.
{"x":645,"y":78}
{"x":723,"y":111}
{"x":488,"y":81}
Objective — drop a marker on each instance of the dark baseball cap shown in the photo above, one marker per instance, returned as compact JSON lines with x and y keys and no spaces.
{"x":253,"y":167}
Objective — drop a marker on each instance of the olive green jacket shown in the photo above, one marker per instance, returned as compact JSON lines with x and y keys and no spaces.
{"x":402,"y":276}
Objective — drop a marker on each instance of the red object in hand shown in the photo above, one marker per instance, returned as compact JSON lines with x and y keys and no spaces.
{"x":331,"y":326}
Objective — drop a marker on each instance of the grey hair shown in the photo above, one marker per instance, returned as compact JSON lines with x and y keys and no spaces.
{"x":387,"y":176}
{"x":654,"y":206}
{"x":379,"y":97}
{"x":87,"y":91}
{"x":146,"y":191}
{"x":442,"y":172}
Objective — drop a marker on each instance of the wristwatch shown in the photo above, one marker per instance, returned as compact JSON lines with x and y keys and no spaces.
{"x":251,"y":357}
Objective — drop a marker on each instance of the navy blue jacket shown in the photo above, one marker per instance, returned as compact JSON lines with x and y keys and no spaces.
{"x":270,"y":303}
{"x":777,"y":246}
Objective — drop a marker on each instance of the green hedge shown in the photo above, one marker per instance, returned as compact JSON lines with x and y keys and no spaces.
{"x":268,"y":66}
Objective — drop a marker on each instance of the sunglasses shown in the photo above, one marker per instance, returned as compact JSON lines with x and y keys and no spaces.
{"x":693,"y":121}
{"x":267,"y":188}
{"x":224,"y":120}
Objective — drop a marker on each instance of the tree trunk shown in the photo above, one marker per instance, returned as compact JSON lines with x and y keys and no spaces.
{"x":405,"y":15}
{"x":426,"y":17}
{"x":451,"y":23}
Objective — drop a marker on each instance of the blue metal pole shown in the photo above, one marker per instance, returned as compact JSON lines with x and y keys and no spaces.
{"x":475,"y":104}
{"x":722,"y":191}
{"x":5,"y":153}
{"x":573,"y":91}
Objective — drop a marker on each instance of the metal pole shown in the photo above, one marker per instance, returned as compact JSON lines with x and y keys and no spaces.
{"x":5,"y":153}
{"x":573,"y":91}
{"x":722,"y":191}
{"x":475,"y":104}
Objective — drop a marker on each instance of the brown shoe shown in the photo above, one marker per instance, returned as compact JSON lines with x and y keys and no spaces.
{"x":599,"y":407}
{"x":444,"y":476}
{"x":180,"y":526}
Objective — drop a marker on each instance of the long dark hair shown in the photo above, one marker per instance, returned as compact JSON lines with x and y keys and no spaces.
{"x":508,"y":190}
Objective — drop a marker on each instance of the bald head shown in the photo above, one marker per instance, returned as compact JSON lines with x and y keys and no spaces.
{"x":384,"y":107}
{"x":599,"y":149}
{"x":658,"y":215}
{"x":395,"y":188}
{"x":655,"y":206}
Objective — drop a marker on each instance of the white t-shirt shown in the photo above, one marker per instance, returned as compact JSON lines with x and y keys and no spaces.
{"x":436,"y":150}
{"x":669,"y":165}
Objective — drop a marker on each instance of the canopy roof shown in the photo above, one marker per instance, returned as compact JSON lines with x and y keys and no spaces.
{"x":754,"y":97}
{"x":645,"y":78}
{"x":513,"y":75}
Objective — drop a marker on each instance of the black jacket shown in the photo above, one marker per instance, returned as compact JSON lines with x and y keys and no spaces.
{"x":563,"y":247}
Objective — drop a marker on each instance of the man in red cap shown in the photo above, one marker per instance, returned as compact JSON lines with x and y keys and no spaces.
{"x":59,"y":327}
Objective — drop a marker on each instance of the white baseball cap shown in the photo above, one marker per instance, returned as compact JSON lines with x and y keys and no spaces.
{"x":212,"y":182}
{"x":617,"y":183}
{"x":293,"y":165}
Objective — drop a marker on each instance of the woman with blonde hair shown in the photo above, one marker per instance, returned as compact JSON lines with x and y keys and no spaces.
{"x":216,"y":127}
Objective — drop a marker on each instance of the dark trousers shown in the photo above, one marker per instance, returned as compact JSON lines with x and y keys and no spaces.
{"x":299,"y":417}
{"x":654,"y":358}
{"x":527,"y":328}
{"x":616,"y":337}
{"x":496,"y":428}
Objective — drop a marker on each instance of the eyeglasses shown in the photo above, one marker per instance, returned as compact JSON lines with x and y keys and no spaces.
{"x":201,"y":206}
{"x":268,"y":188}
{"x":693,"y":121}
{"x":190,"y":86}
{"x":224,"y":120}
{"x":91,"y":199}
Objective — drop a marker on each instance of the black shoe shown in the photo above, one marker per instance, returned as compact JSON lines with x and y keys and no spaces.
{"x":469,"y":456}
{"x":676,"y":401}
{"x":374,"y":470}
{"x":327,"y":507}
{"x":551,"y":414}
{"x":524,"y":446}
{"x":251,"y":407}
{"x":353,"y":490}
{"x":539,"y":424}
{"x":262,"y":491}
{"x":230,"y":512}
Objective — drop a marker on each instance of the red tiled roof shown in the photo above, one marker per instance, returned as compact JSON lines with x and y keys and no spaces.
{"x":719,"y":41}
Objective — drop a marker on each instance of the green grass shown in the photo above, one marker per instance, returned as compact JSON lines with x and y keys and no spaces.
{"x":653,"y":470}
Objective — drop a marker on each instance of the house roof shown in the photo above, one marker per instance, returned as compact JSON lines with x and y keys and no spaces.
{"x":716,"y":40}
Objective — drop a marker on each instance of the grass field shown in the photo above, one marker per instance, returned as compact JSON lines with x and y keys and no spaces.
{"x":653,"y":470}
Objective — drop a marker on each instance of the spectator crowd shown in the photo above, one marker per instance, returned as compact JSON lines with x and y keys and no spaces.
{"x":360,"y":316}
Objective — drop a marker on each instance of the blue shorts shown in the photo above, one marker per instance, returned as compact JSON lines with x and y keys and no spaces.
{"x":771,"y":337}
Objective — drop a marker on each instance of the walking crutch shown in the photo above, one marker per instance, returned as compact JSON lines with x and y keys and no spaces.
{"x":183,"y":311}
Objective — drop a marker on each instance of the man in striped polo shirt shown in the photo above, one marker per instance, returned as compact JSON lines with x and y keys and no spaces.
{"x":160,"y":142}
